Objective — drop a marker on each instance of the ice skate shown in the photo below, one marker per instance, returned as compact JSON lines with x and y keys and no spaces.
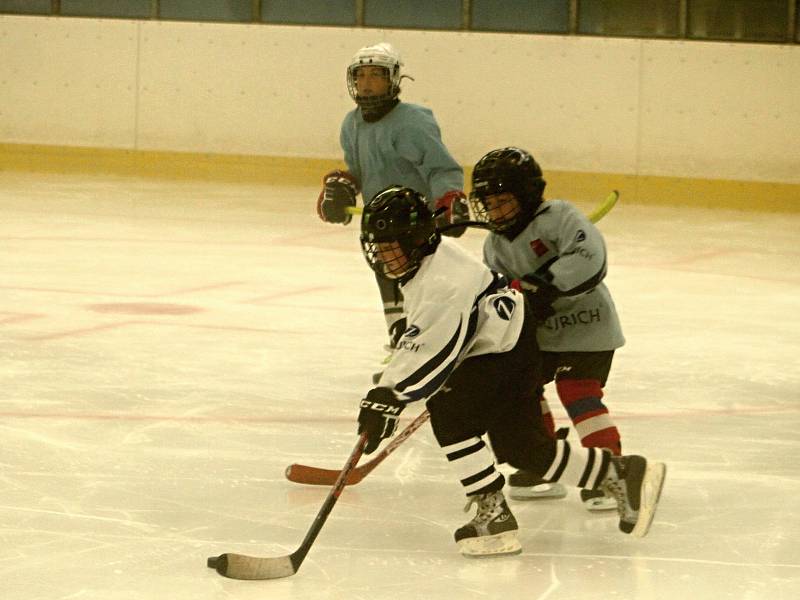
{"x":493,"y":530}
{"x":597,"y":501}
{"x":636,"y":485}
{"x":524,"y":485}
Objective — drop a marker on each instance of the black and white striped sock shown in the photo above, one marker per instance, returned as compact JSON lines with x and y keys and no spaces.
{"x":473,"y":463}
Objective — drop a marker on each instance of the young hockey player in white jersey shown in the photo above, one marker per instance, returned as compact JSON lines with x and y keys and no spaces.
{"x":470,"y":351}
{"x":558,"y":258}
{"x":389,"y":142}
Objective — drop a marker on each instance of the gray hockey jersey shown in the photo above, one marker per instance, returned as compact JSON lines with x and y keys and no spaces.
{"x":564,"y":240}
{"x":456,"y":307}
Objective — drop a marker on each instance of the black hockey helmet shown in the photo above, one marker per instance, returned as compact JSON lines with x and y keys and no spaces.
{"x":397,"y":232}
{"x":507,"y":170}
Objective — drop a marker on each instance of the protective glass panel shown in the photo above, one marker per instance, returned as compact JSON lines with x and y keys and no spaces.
{"x":106,"y":8}
{"x":25,"y":7}
{"x":206,"y":10}
{"x":311,"y":12}
{"x":414,"y":14}
{"x":646,"y":18}
{"x":549,"y":16}
{"x":751,"y":20}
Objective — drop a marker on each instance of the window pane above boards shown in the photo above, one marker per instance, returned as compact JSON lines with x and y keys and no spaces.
{"x":309,"y":12}
{"x":133,"y":9}
{"x":25,"y":7}
{"x":741,"y":20}
{"x":413,"y":14}
{"x":240,"y":11}
{"x":639,"y":18}
{"x":535,"y":16}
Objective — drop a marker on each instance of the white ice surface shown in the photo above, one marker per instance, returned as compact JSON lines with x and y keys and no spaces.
{"x":167,"y":349}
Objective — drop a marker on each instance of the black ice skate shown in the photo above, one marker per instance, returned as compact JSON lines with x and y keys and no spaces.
{"x":493,"y":530}
{"x":524,"y":485}
{"x":636,"y":485}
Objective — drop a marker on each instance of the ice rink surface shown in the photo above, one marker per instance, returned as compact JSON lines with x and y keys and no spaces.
{"x":167,"y":349}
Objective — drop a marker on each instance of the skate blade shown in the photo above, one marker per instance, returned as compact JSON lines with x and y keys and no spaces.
{"x":600,"y":504}
{"x":543,"y":491}
{"x":501,"y":544}
{"x":651,"y":492}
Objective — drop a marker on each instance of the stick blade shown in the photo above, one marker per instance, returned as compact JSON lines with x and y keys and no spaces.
{"x":308,"y":475}
{"x":240,"y":566}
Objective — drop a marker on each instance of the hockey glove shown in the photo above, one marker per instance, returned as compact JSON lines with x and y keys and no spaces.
{"x":453,"y":209}
{"x":339,"y":190}
{"x":378,"y":416}
{"x":539,"y":294}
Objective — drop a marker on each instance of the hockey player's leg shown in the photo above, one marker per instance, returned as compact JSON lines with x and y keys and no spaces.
{"x":459,"y":416}
{"x":633,"y":482}
{"x":525,"y":485}
{"x":579,"y":382}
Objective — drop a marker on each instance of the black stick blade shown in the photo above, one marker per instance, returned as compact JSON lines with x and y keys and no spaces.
{"x":239,"y":566}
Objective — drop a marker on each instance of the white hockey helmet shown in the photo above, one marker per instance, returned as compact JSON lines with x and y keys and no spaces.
{"x":381,"y":55}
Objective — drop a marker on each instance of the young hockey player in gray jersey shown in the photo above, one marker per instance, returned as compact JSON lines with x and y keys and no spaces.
{"x":389,"y":142}
{"x":558,"y":257}
{"x":470,"y":351}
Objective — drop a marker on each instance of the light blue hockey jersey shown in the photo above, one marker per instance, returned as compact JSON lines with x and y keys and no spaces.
{"x":567,"y":242}
{"x":403,"y":148}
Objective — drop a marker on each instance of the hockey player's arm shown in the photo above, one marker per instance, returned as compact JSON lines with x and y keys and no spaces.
{"x":377,"y":416}
{"x":578,"y":268}
{"x":581,"y":263}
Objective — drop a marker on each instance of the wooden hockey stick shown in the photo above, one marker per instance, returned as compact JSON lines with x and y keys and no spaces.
{"x":317,"y":476}
{"x":309,"y":475}
{"x":598,"y":213}
{"x":239,"y":566}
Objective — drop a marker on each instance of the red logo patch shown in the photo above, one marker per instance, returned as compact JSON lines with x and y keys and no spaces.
{"x":539,"y":247}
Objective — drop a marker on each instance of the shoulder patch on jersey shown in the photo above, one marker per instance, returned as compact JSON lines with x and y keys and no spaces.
{"x":580,"y":236}
{"x":411,"y":332}
{"x":539,"y":247}
{"x":504,"y":306}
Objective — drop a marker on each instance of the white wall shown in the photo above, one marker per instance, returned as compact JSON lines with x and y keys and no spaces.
{"x":645,"y":107}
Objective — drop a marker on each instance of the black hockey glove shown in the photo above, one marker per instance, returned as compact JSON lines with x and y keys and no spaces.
{"x":539,"y":294}
{"x":378,"y":416}
{"x":339,"y":190}
{"x":453,"y":208}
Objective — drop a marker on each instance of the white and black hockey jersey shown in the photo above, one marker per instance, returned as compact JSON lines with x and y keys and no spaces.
{"x":563,"y":240}
{"x":456,"y":307}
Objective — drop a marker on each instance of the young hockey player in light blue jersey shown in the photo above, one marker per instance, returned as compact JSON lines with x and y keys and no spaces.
{"x":559,"y":258}
{"x":470,"y":351}
{"x":389,"y":142}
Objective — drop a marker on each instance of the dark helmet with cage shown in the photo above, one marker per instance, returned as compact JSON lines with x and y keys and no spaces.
{"x":397,"y":232}
{"x":511,"y":170}
{"x":380,"y":55}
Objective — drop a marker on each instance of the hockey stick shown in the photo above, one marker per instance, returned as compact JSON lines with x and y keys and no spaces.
{"x":239,"y":566}
{"x":317,"y":476}
{"x":309,"y":475}
{"x":598,"y":213}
